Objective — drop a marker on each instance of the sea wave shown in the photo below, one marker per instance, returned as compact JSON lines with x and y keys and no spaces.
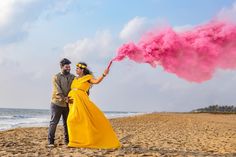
{"x":13,"y":118}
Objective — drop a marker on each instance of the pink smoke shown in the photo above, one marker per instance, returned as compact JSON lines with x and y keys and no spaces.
{"x":192,"y":55}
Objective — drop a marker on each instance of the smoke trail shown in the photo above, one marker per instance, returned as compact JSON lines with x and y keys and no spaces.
{"x":192,"y":55}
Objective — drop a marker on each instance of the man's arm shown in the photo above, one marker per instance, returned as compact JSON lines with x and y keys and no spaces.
{"x":57,"y":87}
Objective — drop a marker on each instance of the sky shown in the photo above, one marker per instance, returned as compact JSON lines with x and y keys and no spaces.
{"x":36,"y":34}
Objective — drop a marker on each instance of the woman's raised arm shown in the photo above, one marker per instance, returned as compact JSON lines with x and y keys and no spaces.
{"x":99,"y":79}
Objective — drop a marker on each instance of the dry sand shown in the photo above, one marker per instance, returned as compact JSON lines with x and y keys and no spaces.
{"x":158,"y":134}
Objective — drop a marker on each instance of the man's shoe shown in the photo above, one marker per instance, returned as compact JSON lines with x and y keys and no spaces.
{"x":51,"y":145}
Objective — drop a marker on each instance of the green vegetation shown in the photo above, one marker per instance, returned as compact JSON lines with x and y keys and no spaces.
{"x":216,"y":109}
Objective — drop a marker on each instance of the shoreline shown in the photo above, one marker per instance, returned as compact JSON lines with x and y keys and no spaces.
{"x":152,"y":134}
{"x":25,"y":121}
{"x":42,"y":125}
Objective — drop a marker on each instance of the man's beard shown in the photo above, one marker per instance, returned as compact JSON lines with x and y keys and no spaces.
{"x":65,"y":72}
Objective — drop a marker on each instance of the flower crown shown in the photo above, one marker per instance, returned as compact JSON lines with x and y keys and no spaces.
{"x":81,"y":66}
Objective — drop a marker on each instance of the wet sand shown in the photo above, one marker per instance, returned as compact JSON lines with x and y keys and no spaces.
{"x":157,"y":134}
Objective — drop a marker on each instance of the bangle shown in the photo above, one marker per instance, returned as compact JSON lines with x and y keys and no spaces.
{"x":103,"y":75}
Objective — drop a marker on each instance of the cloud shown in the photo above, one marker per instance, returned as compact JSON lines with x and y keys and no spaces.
{"x":26,"y":82}
{"x":62,"y":6}
{"x":143,"y":88}
{"x":18,"y":16}
{"x":21,"y":89}
{"x":139,"y":87}
{"x":183,"y":28}
{"x":134,"y":29}
{"x":98,"y":47}
{"x":228,"y":13}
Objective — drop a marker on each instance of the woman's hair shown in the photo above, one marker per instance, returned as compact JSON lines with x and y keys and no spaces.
{"x":83,"y":66}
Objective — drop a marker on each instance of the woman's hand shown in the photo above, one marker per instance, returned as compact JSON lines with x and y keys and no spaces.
{"x":105,"y":72}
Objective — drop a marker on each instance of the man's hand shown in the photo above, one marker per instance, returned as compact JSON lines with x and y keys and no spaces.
{"x":68,"y":100}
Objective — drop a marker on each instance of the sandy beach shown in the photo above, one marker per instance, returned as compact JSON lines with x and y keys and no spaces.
{"x":157,"y":134}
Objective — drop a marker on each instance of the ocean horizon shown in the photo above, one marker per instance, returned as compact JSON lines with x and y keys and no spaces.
{"x":18,"y":117}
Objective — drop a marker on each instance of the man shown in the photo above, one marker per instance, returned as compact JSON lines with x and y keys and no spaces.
{"x":59,"y":102}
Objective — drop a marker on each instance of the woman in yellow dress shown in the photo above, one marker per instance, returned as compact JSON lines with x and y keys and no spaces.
{"x":87,"y":125}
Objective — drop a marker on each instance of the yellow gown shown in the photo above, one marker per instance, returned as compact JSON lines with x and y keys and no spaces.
{"x":87,"y":125}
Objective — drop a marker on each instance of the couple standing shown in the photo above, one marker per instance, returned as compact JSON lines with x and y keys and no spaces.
{"x":84,"y":124}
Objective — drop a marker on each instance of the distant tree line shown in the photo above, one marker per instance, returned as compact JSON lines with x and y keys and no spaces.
{"x":217,"y":109}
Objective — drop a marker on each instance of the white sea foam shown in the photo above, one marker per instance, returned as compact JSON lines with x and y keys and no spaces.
{"x":14,"y":118}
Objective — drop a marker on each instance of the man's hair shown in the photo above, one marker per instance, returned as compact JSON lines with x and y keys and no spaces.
{"x":64,"y":61}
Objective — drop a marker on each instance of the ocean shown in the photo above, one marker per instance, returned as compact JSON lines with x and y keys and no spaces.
{"x":14,"y":118}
